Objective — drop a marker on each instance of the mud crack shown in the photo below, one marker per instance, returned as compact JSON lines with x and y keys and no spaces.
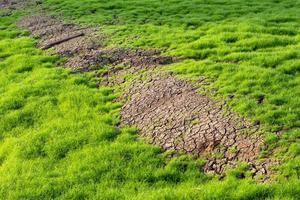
{"x":170,"y":113}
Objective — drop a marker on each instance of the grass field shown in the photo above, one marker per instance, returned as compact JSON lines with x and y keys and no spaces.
{"x":58,"y":135}
{"x":251,"y":48}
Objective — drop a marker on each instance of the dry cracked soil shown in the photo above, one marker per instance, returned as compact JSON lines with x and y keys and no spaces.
{"x":167,"y":111}
{"x":170,"y":113}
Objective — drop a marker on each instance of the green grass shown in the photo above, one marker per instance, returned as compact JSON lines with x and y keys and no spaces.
{"x":250,"y":48}
{"x":58,"y":135}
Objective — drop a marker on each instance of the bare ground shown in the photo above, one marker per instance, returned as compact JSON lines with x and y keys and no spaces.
{"x":171,"y":114}
{"x":85,"y":46}
{"x":16,"y":4}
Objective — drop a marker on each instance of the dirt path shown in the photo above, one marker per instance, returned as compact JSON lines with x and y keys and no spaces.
{"x":167,"y":111}
{"x":85,"y":47}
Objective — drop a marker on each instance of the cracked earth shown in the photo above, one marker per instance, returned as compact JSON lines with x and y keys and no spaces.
{"x":168,"y":112}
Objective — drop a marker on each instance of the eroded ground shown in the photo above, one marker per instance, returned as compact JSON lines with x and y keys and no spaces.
{"x":167,"y":111}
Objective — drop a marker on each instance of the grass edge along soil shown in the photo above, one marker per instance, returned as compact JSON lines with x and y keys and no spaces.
{"x":234,"y":140}
{"x":230,"y":187}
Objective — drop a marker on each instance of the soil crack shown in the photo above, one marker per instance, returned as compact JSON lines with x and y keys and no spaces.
{"x":171,"y":114}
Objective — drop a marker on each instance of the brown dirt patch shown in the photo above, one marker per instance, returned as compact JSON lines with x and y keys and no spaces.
{"x":66,"y":39}
{"x":85,"y":46}
{"x":16,"y":4}
{"x":171,"y":114}
{"x":117,"y":56}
